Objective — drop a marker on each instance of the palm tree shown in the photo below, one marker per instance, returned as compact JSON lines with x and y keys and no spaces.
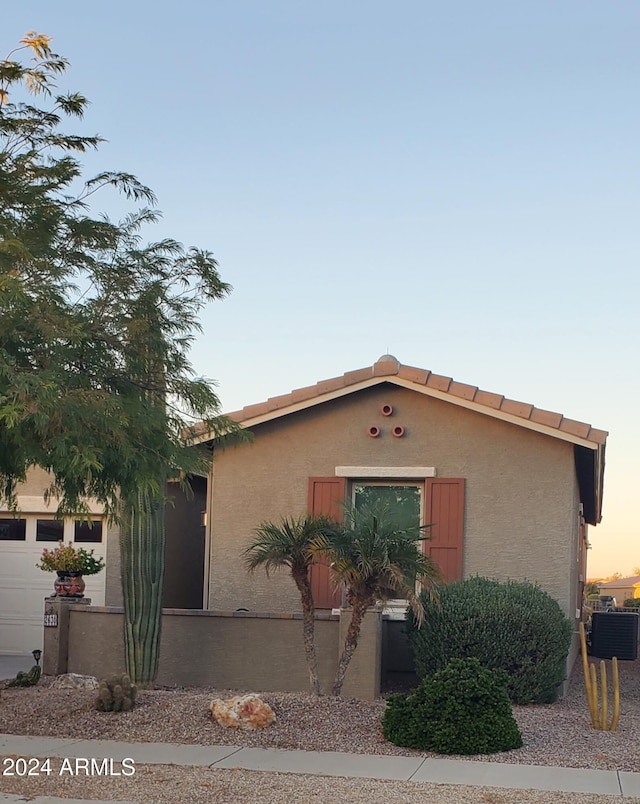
{"x":378,"y":557}
{"x":289,"y":545}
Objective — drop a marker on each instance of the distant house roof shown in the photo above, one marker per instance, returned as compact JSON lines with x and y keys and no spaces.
{"x":621,"y":583}
{"x":589,"y":441}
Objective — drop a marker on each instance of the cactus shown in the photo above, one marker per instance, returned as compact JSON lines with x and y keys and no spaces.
{"x":599,"y":714}
{"x":142,"y":559}
{"x":116,"y":694}
{"x":104,"y":700}
{"x":29,"y":679}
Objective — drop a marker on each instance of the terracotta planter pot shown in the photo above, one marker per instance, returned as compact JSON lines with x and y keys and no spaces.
{"x":69,"y":584}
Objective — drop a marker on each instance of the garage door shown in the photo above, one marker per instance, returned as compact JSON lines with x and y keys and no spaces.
{"x":23,"y":586}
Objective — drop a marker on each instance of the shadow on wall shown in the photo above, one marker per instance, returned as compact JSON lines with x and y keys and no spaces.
{"x":185,"y":546}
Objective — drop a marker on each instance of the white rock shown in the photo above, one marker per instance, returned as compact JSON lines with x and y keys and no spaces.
{"x":74,"y":681}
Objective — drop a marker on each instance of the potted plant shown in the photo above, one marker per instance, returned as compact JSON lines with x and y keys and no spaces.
{"x":71,"y":564}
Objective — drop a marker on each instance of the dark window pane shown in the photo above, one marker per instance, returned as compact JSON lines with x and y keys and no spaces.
{"x":88,"y":531}
{"x":13,"y":530}
{"x":49,"y":530}
{"x":403,"y":502}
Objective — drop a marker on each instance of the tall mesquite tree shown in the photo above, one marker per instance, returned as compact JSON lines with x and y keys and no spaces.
{"x":95,"y":330}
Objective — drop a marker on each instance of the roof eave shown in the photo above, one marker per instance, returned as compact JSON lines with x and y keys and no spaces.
{"x":304,"y":404}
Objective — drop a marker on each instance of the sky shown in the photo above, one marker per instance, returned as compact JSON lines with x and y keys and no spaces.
{"x":454,"y":183}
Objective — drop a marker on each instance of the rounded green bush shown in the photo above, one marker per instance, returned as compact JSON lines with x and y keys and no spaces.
{"x":512,"y":626}
{"x":463,"y":709}
{"x":632,"y":603}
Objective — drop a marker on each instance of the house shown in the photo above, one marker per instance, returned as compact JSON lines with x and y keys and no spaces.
{"x":23,"y":587}
{"x":508,"y":489}
{"x":622,"y":588}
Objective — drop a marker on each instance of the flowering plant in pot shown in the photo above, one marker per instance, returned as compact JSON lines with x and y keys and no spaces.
{"x":70,"y":563}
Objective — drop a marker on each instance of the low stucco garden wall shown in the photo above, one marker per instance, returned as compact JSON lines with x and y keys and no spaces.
{"x":258,"y":651}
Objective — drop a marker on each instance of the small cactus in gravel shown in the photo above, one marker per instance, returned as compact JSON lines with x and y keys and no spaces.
{"x":116,"y":694}
{"x":29,"y":679}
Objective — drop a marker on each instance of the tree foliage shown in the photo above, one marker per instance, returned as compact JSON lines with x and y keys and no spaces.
{"x":95,"y":325}
{"x":591,"y":588}
{"x":377,"y":555}
{"x":95,"y":330}
{"x":289,"y":544}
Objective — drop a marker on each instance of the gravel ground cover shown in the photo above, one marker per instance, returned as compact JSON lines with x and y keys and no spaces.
{"x":557,"y":734}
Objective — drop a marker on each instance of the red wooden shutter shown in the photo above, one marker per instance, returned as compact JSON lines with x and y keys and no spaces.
{"x":326,"y":498}
{"x":445,"y":513}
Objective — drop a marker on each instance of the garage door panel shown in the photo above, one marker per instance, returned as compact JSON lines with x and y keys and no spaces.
{"x":21,"y":635}
{"x":23,"y":588}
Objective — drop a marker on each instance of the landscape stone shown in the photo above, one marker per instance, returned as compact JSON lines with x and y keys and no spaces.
{"x":75,"y":681}
{"x":242,"y":712}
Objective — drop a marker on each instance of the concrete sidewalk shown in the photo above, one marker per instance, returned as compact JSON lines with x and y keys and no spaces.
{"x":328,"y":763}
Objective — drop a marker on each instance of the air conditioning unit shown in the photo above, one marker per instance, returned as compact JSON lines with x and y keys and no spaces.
{"x":614,"y":634}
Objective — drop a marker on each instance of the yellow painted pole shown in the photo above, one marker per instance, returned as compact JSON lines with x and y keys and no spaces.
{"x":605,"y":695}
{"x":616,"y":694}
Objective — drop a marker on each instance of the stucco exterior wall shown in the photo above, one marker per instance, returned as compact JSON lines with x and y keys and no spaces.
{"x":259,"y":651}
{"x":36,"y":482}
{"x":520,"y":498}
{"x":621,"y":593}
{"x":113,"y":579}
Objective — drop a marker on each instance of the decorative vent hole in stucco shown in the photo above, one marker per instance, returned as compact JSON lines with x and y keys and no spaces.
{"x":398,"y":431}
{"x":374,"y":431}
{"x":386,"y":410}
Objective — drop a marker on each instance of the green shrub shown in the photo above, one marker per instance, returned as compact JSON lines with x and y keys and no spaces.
{"x":463,"y":709}
{"x":511,"y":626}
{"x":632,"y":603}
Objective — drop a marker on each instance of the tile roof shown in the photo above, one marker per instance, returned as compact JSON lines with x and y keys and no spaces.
{"x":389,"y":369}
{"x":621,"y":583}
